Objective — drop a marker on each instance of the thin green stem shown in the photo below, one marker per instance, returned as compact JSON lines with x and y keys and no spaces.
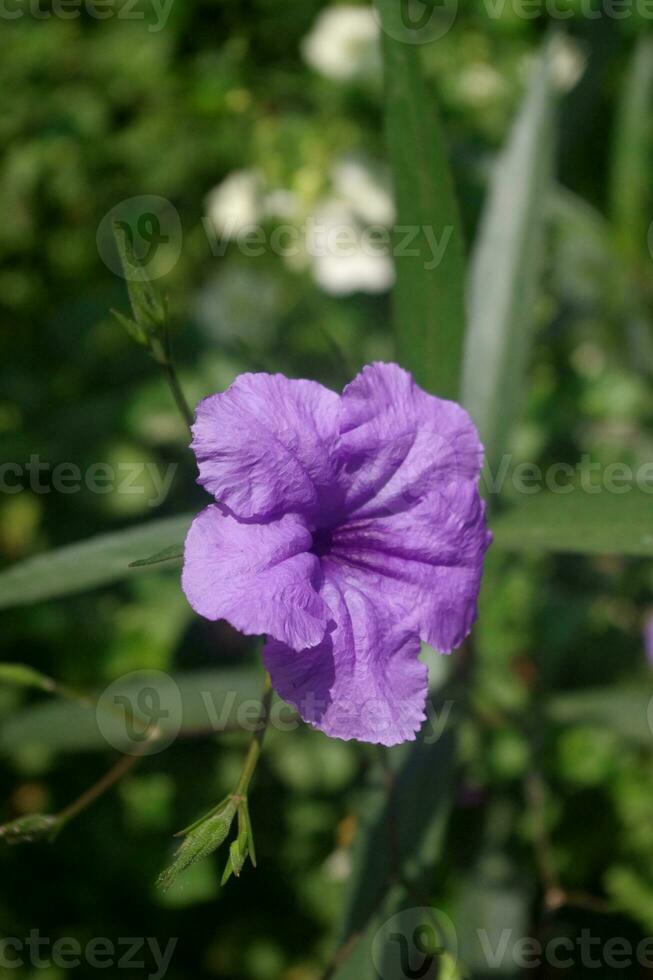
{"x":170,"y":373}
{"x":254,"y":751}
{"x":109,"y":779}
{"x":98,"y":789}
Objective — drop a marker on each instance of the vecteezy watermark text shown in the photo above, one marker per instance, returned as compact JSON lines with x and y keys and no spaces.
{"x":144,"y":712}
{"x":145,"y":479}
{"x":341,"y":240}
{"x":585,"y":476}
{"x":564,"y":952}
{"x":423,"y":942}
{"x":67,"y":953}
{"x":95,"y":9}
{"x":154,"y":481}
{"x":425,"y":21}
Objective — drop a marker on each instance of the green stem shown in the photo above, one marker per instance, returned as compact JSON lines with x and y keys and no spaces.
{"x":177,"y":392}
{"x":97,"y":790}
{"x":109,"y":779}
{"x":254,"y":751}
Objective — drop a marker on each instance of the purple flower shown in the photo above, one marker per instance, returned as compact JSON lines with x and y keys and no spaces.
{"x":346,"y":529}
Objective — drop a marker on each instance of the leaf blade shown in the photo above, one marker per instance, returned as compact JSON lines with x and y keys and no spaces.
{"x":504,"y":268}
{"x":86,"y":565}
{"x":172,"y":553}
{"x":429,"y":299}
{"x":579,"y":523}
{"x":630,"y":181}
{"x":203,"y":701}
{"x":400,"y":837}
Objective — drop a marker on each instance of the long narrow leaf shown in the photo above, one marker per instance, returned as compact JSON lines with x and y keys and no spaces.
{"x":429,"y":300}
{"x":204,"y":701}
{"x":582,"y":523}
{"x":630,"y":191}
{"x":628,"y":712}
{"x":91,"y":563}
{"x":400,"y":840}
{"x":505,"y":268}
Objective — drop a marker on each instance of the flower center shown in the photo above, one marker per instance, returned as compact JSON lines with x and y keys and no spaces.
{"x":322,"y":540}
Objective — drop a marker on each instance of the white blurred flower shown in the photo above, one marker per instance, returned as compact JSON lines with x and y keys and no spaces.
{"x":479,"y":83}
{"x":344,"y":260}
{"x":282,"y":203}
{"x":366,"y":192}
{"x":239,"y":303}
{"x":236,"y":203}
{"x":568,"y":62}
{"x":343,"y":43}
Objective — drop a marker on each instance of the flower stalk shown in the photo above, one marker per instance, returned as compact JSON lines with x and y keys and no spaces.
{"x":149,"y":325}
{"x":208,"y":833}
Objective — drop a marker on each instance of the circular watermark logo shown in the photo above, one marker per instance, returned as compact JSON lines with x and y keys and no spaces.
{"x":152,"y":227}
{"x":416,"y":944}
{"x":140,"y":713}
{"x":418,"y":21}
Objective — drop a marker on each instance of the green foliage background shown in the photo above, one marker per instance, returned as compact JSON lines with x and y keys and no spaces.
{"x":94,"y":112}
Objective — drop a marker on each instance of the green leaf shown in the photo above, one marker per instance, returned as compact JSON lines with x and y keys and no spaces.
{"x":400,"y":837}
{"x":505,"y":268}
{"x":147,"y":302}
{"x":630,"y":185}
{"x":132,"y":328}
{"x":24,"y":676}
{"x":429,"y":300}
{"x":578,"y":522}
{"x":628,"y":712}
{"x":84,"y":566}
{"x":175,"y":551}
{"x":200,"y":701}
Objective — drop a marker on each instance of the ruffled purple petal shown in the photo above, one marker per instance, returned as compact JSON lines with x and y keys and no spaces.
{"x":397,"y":443}
{"x":266,"y":445}
{"x":364,"y":681}
{"x":259,"y":577}
{"x":425,"y":562}
{"x":347,"y":529}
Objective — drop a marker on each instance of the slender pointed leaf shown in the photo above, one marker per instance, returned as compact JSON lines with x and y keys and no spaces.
{"x":578,"y":522}
{"x":86,"y":565}
{"x":202,"y":701}
{"x":174,"y":552}
{"x":400,"y":839}
{"x":505,"y":268}
{"x":627,"y":711}
{"x":630,"y":191}
{"x":429,"y":300}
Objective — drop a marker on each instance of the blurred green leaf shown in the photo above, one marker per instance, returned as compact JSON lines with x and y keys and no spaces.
{"x":581,"y":523}
{"x":84,"y":566}
{"x":505,"y":268}
{"x":204,"y":701}
{"x":630,"y":184}
{"x":632,"y":893}
{"x":147,"y":301}
{"x":429,"y":313}
{"x":626,"y":712}
{"x":495,"y":892}
{"x":399,"y":839}
{"x":23,"y":676}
